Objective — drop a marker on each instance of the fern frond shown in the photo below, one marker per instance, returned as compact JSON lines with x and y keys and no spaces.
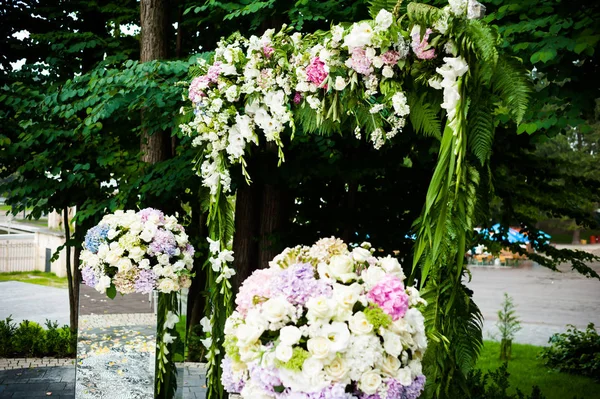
{"x":423,"y":14}
{"x":480,"y":130}
{"x":377,"y":5}
{"x":423,"y":116}
{"x":511,"y":84}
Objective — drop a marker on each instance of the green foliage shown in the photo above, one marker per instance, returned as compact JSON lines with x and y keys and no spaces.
{"x":376,"y":316}
{"x":494,"y":384}
{"x":30,"y":339}
{"x":7,"y":331}
{"x":295,"y":363}
{"x":575,"y":351}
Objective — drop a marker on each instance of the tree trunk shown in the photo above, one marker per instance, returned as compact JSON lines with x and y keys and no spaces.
{"x":576,"y":236}
{"x":153,"y":46}
{"x":273,"y":215}
{"x":73,"y":300}
{"x":245,"y":239}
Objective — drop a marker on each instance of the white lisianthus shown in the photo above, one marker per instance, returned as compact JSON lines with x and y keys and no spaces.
{"x":392,"y":266}
{"x":387,"y":72}
{"x":207,"y":342}
{"x":228,"y":69}
{"x":112,"y":257}
{"x":319,"y":309}
{"x":391,"y":343}
{"x":103,"y":284}
{"x":377,"y":62}
{"x":361,"y":35}
{"x":319,"y":347}
{"x":338,"y":335}
{"x":290,"y":335}
{"x":124,"y":264}
{"x":359,"y":324}
{"x":181,"y":238}
{"x":163,"y":259}
{"x":277,"y":309}
{"x":248,"y":335}
{"x":415,"y":367}
{"x":404,"y":376}
{"x":383,"y":20}
{"x":144,"y":264}
{"x":340,"y":83}
{"x":283,"y":352}
{"x":147,"y":235}
{"x":360,"y":254}
{"x":346,"y":296}
{"x":341,"y":267}
{"x":178,"y":266}
{"x":137,"y":254}
{"x":369,"y":382}
{"x":372,"y":275}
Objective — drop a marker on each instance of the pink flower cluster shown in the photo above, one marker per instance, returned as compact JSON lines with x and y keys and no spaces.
{"x":390,"y":296}
{"x":419,"y":45}
{"x":258,"y":285}
{"x":316,"y":72}
{"x":360,"y":62}
{"x":268,"y":51}
{"x":201,"y":83}
{"x":390,"y":57}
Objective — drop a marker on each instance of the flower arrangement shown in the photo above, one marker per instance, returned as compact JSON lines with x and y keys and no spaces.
{"x":140,"y":252}
{"x":326,"y":322}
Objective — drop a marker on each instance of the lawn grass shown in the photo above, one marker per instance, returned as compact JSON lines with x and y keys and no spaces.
{"x":36,"y":277}
{"x":527,"y":370}
{"x":36,"y":222}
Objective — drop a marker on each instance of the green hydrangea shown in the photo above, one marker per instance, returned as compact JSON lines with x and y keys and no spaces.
{"x":295,"y":363}
{"x":377,"y":317}
{"x":231,"y":348}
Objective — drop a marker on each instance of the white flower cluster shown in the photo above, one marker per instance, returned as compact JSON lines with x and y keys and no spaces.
{"x":252,"y":85}
{"x":219,"y":260}
{"x":137,"y":252}
{"x":453,"y":68}
{"x":324,"y":318}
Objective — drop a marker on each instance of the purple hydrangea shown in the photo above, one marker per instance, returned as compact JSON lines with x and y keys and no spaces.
{"x":163,"y":242}
{"x":89,"y":277}
{"x":96,"y":236}
{"x":399,"y":391}
{"x":265,"y":378}
{"x":336,"y":391}
{"x":145,"y":282}
{"x":230,"y":384}
{"x":147,"y":212}
{"x":298,"y":284}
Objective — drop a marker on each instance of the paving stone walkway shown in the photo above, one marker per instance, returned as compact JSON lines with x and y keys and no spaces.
{"x":59,"y":381}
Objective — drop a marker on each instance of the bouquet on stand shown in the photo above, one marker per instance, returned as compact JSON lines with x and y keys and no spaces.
{"x":326,"y":322}
{"x":143,"y":252}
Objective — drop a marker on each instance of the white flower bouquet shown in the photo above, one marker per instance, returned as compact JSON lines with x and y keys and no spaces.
{"x":326,"y":322}
{"x":137,"y":252}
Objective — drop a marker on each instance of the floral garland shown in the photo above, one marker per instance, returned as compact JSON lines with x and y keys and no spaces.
{"x":353,"y":78}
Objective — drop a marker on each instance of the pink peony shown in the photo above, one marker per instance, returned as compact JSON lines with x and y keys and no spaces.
{"x":256,"y":286}
{"x":390,"y":296}
{"x":316,"y":72}
{"x":419,"y":45}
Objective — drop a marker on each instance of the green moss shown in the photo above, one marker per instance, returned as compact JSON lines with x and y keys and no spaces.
{"x":376,"y":316}
{"x":295,"y":363}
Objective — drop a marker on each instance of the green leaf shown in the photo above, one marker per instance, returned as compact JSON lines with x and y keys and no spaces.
{"x":111,"y":291}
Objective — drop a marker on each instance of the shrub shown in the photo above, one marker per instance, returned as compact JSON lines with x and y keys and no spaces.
{"x":575,"y":352}
{"x":7,"y":331}
{"x":494,"y":385}
{"x":58,"y":340}
{"x":29,"y":339}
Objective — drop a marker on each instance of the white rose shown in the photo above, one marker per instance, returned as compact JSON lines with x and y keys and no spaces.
{"x":276,"y":309}
{"x":181,"y":238}
{"x":390,"y":365}
{"x":137,"y":253}
{"x":124,"y":264}
{"x":383,"y":20}
{"x":372,"y":275}
{"x":248,"y":335}
{"x":319,"y":309}
{"x":112,"y":233}
{"x":369,"y":382}
{"x":338,"y":335}
{"x":390,"y":264}
{"x":227,"y":69}
{"x":179,"y":265}
{"x":346,"y":296}
{"x":378,"y":62}
{"x":319,"y":347}
{"x":340,"y":83}
{"x":392,"y":343}
{"x":416,"y":368}
{"x":361,"y":35}
{"x":341,"y":267}
{"x":103,"y":250}
{"x":112,"y":258}
{"x":167,"y":285}
{"x":283,"y":352}
{"x":337,"y":369}
{"x":359,"y":324}
{"x":290,"y":335}
{"x":102,"y":284}
{"x":404,"y":376}
{"x":163,"y":259}
{"x":361,"y":254}
{"x":387,"y":72}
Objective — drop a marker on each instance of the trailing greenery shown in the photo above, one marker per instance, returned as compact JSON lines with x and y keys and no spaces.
{"x":29,"y":339}
{"x":575,"y":351}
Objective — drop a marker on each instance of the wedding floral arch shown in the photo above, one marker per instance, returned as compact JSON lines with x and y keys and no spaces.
{"x":365,"y":80}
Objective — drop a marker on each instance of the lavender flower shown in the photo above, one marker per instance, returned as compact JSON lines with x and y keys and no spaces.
{"x":267,"y":379}
{"x":230,"y":383}
{"x":95,"y":236}
{"x":163,"y":242}
{"x":151,"y":213}
{"x":399,"y":391}
{"x":145,"y":282}
{"x":298,"y":284}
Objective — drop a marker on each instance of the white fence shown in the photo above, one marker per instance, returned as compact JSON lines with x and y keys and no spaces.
{"x":17,"y":256}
